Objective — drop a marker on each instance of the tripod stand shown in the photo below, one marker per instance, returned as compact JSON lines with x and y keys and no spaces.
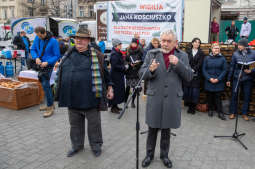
{"x":236,"y":135}
{"x":136,"y":92}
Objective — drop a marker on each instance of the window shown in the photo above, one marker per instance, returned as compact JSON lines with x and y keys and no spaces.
{"x":30,"y":11}
{"x":5,"y":13}
{"x":12,"y":11}
{"x":43,"y":2}
{"x":91,"y":11}
{"x":81,"y":9}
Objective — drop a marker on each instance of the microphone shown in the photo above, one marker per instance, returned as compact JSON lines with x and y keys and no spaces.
{"x":154,"y":51}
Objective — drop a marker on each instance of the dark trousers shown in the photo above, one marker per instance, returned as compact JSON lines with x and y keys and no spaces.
{"x":191,"y":94}
{"x":152,"y":140}
{"x":246,"y":88}
{"x":214,"y":101}
{"x":127,"y":94}
{"x":77,"y":131}
{"x":45,"y":81}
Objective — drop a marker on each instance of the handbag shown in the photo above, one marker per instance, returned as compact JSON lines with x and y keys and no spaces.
{"x":202,"y":107}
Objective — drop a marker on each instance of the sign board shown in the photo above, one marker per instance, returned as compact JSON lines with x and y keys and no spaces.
{"x":67,"y":28}
{"x":148,"y":18}
{"x":28,"y":25}
{"x":101,"y":14}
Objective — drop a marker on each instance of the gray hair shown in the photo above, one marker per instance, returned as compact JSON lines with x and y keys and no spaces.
{"x":168,"y":32}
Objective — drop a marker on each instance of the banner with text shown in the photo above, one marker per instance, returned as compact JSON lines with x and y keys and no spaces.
{"x":101,"y":15}
{"x":148,"y":18}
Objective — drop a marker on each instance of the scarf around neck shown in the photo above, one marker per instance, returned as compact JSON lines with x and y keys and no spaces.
{"x":96,"y":75}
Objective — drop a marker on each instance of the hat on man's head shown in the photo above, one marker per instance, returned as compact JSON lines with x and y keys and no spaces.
{"x":134,"y":40}
{"x":243,"y":42}
{"x":83,"y":33}
{"x":116,"y":42}
{"x":245,"y":18}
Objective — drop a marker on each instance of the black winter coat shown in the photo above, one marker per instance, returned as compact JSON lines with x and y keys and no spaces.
{"x":117,"y":76}
{"x":74,"y":84}
{"x":19,"y":42}
{"x":195,"y":63}
{"x":135,"y":55}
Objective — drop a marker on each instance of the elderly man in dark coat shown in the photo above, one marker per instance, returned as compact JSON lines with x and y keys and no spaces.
{"x":117,"y":76}
{"x":168,"y":69}
{"x":81,"y":87}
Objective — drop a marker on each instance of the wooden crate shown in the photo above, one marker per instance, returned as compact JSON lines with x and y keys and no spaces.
{"x":41,"y":92}
{"x":19,"y":98}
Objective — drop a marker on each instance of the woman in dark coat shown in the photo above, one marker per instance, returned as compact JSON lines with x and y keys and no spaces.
{"x":192,"y":89}
{"x":154,"y":44}
{"x":214,"y":71}
{"x":134,"y":61}
{"x":117,"y":76}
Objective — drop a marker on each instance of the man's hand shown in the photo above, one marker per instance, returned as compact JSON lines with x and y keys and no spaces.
{"x":133,"y":65}
{"x":216,"y":80}
{"x":44,"y":64}
{"x":153,"y":66}
{"x":212,"y":80}
{"x":110,"y":93}
{"x":247,"y":71}
{"x":228,"y":84}
{"x":38,"y":61}
{"x":173,"y":60}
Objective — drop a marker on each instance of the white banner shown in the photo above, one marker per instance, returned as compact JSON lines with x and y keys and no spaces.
{"x":28,"y":25}
{"x":148,"y":18}
{"x":67,"y":28}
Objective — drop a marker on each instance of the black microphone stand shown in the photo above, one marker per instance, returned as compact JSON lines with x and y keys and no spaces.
{"x":236,"y":135}
{"x":136,"y":92}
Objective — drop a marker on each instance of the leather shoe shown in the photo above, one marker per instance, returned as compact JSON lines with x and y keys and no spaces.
{"x":231,"y":116}
{"x":222,"y":116}
{"x":147,"y":161}
{"x":210,"y":113}
{"x":72,"y":152}
{"x":132,"y":105}
{"x":167,"y":162}
{"x":97,"y":153}
{"x":115,"y":110}
{"x":189,"y":110}
{"x":245,"y":117}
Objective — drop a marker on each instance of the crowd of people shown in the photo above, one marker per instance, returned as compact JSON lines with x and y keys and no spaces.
{"x":86,"y":86}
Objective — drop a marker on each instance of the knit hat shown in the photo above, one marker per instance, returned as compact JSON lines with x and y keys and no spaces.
{"x":116,"y":42}
{"x":245,"y":18}
{"x":134,"y":40}
{"x":243,"y":42}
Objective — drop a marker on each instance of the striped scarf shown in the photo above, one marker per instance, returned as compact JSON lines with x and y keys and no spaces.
{"x":96,"y":76}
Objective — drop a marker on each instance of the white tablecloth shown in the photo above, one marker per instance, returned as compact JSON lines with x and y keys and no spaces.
{"x":34,"y":75}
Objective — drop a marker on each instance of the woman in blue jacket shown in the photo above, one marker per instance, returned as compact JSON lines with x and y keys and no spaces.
{"x":214,"y":71}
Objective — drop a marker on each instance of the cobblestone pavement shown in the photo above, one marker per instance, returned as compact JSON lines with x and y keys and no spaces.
{"x":28,"y":141}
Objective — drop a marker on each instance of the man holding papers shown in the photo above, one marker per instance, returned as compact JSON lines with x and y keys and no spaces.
{"x":243,"y":56}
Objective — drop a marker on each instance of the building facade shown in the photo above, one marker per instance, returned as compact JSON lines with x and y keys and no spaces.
{"x":10,"y":9}
{"x":237,"y":9}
